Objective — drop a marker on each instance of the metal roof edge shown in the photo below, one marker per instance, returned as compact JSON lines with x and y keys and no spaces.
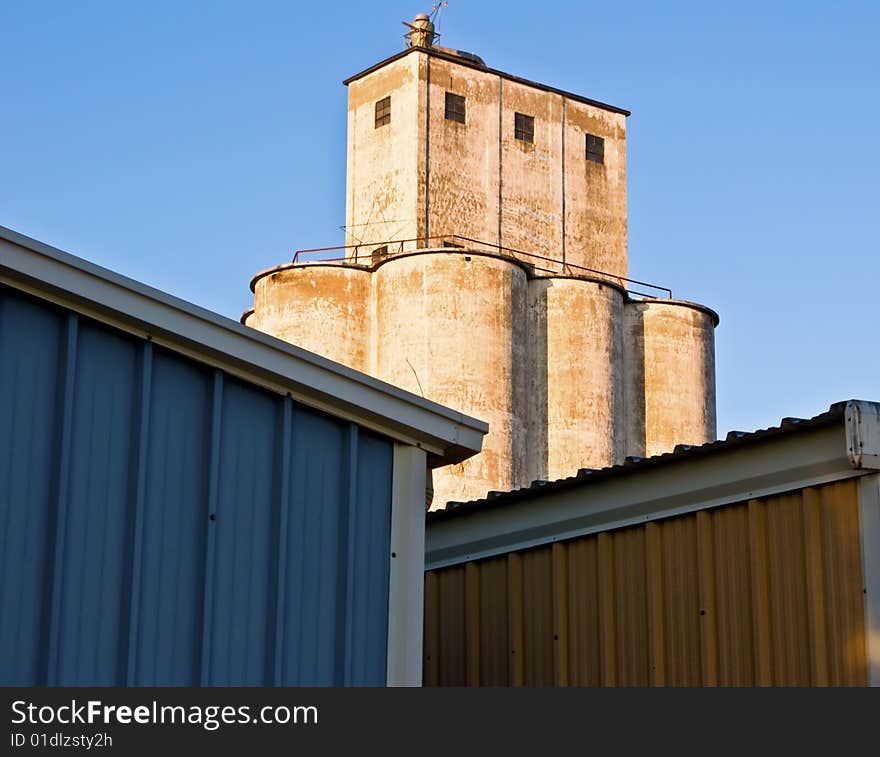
{"x":281,"y":267}
{"x":798,"y":453}
{"x":52,"y":274}
{"x":495,"y":72}
{"x":653,"y":302}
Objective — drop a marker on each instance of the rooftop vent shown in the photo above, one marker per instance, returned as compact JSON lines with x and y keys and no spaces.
{"x":421,"y":32}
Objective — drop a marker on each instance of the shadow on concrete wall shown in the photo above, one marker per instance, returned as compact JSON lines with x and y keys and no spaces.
{"x":537,"y":442}
{"x":634,"y":379}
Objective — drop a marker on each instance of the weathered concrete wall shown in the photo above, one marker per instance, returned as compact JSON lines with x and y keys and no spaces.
{"x":323,"y":308}
{"x":423,"y":175}
{"x":531,"y":173}
{"x":670,"y":376}
{"x":575,"y":387}
{"x":566,"y":372}
{"x":462,"y":178}
{"x":451,"y":327}
{"x":595,"y":194}
{"x":382,"y":179}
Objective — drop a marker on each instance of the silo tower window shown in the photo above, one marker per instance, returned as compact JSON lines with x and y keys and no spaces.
{"x":524,"y":127}
{"x":455,"y":107}
{"x":595,"y":149}
{"x":383,"y":111}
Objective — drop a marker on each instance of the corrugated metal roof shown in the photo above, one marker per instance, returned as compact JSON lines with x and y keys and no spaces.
{"x":834,"y":414}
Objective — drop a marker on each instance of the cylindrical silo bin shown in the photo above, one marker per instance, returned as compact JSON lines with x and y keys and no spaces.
{"x":575,"y":390}
{"x":669,"y":373}
{"x":321,"y":307}
{"x":450,"y":325}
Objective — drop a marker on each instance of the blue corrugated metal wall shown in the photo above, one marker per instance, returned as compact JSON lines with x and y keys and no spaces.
{"x":164,"y":524}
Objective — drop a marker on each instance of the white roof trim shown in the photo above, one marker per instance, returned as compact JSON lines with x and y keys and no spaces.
{"x":65,"y":279}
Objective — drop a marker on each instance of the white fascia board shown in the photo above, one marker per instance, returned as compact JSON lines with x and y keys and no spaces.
{"x":806,"y":457}
{"x":407,"y":565}
{"x":863,"y":433}
{"x":69,"y":281}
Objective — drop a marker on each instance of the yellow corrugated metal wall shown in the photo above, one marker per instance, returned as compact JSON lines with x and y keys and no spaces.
{"x":767,"y":592}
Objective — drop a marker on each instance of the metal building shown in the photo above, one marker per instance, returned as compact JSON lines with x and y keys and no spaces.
{"x":749,"y":561}
{"x":184,"y":501}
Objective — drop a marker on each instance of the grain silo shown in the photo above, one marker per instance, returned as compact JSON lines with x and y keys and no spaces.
{"x":452,"y":324}
{"x":323,"y":307}
{"x":670,"y":375}
{"x":575,"y":391}
{"x":485,"y":267}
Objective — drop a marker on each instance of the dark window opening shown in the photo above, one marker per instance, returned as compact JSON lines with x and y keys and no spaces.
{"x":595,"y":149}
{"x":524,"y":127}
{"x":455,"y":107}
{"x":383,"y":111}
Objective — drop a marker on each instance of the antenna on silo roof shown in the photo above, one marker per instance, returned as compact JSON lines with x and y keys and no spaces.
{"x":435,"y":14}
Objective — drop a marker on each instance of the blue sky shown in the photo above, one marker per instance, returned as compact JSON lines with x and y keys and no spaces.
{"x":189,"y":145}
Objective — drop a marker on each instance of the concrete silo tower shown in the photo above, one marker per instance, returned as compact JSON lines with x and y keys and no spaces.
{"x":485,"y":267}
